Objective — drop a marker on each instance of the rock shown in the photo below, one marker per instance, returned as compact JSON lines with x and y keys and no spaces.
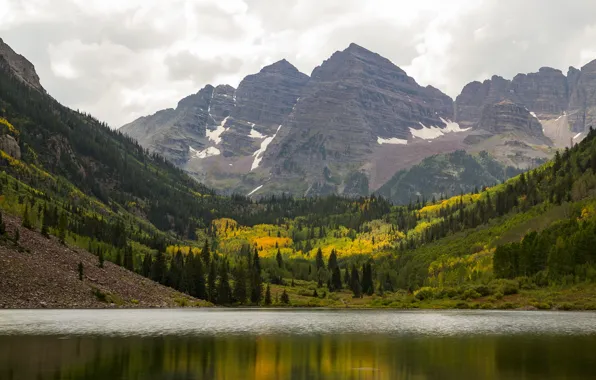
{"x":10,"y":146}
{"x":352,"y":99}
{"x":20,"y":67}
{"x":507,"y":116}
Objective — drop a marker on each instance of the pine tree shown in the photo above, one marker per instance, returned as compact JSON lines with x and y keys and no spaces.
{"x":205,"y":254}
{"x":336,"y":283}
{"x":158,"y":268}
{"x":319,"y":260}
{"x":101,"y":260}
{"x":279,"y":258}
{"x":212,"y":282}
{"x":26,"y":220}
{"x":285,"y":298}
{"x":80,"y":270}
{"x":128,"y":260}
{"x":17,"y":236}
{"x":195,"y":276}
{"x":146,"y":266}
{"x":268,"y":296}
{"x":224,"y":292}
{"x":256,"y":282}
{"x":346,"y":276}
{"x":332,"y":262}
{"x":44,"y":222}
{"x":240,"y":283}
{"x":355,"y":283}
{"x":62,"y":224}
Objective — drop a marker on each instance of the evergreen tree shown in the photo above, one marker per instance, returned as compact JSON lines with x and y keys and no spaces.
{"x":240,"y":285}
{"x":101,"y":259}
{"x":44,"y":223}
{"x":212,"y":282}
{"x":268,"y":296}
{"x":347,"y":279}
{"x":285,"y":298}
{"x":279,"y":258}
{"x":158,"y":268}
{"x":224,"y":292}
{"x":355,"y":283}
{"x":205,"y":254}
{"x":332,"y":262}
{"x":62,"y":225}
{"x":80,"y":269}
{"x":17,"y":236}
{"x":26,"y":218}
{"x":128,"y":260}
{"x":319,"y":260}
{"x":195,"y":276}
{"x":146,"y":267}
{"x":256,"y":282}
{"x":336,"y":283}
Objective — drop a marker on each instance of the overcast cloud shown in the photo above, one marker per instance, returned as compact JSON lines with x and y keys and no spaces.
{"x":121,"y":59}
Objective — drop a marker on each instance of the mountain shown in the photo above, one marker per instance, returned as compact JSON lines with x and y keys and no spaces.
{"x":82,"y":207}
{"x":445,"y":175}
{"x":282,"y":131}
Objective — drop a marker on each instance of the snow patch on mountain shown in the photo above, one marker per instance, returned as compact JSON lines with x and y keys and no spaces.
{"x":393,"y":140}
{"x":432,"y":132}
{"x":259,"y":153}
{"x":254,"y":134}
{"x":215,"y":135}
{"x":209,"y":152}
{"x":254,"y":191}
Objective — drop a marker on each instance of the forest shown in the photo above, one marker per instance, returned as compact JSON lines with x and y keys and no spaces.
{"x":521,"y":242}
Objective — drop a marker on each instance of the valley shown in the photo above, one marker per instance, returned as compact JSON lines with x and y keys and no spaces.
{"x":490,"y":222}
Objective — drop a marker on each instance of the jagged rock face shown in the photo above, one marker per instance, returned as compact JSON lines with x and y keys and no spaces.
{"x":582,"y":102}
{"x":547,"y":93}
{"x":223,"y":124}
{"x":20,"y":66}
{"x":10,"y":146}
{"x":544,"y":92}
{"x":268,"y":97}
{"x":352,"y":99}
{"x":507,"y":116}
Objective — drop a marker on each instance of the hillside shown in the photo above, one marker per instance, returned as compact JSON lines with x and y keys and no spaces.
{"x":70,"y":179}
{"x":446,"y":175}
{"x":39,"y":272}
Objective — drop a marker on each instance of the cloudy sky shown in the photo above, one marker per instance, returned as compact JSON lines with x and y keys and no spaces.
{"x":121,"y":59}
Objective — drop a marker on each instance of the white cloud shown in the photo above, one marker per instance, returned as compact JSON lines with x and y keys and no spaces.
{"x":123,"y":59}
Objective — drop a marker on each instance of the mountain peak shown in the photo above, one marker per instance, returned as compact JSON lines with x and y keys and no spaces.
{"x":590,"y":66}
{"x":280,"y":66}
{"x":20,"y":67}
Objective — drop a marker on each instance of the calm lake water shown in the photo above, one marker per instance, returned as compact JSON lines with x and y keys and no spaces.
{"x":289,"y":344}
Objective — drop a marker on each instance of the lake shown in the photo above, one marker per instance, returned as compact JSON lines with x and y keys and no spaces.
{"x":296,"y":344}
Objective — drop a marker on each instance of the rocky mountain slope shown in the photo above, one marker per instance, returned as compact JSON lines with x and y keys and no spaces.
{"x":444,"y":176}
{"x":52,"y":277}
{"x":359,"y":119}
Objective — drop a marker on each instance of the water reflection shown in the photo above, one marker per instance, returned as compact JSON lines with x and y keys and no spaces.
{"x":346,"y":356}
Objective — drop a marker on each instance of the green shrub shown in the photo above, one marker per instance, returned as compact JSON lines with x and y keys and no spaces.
{"x":526,"y":283}
{"x":101,"y":296}
{"x":483,"y":290}
{"x":446,"y":293}
{"x":424,"y":293}
{"x":486,"y":306}
{"x":462,"y":305}
{"x":470,"y":294}
{"x":507,"y":287}
{"x":509,"y":305}
{"x":565,"y":306}
{"x":498,"y":295}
